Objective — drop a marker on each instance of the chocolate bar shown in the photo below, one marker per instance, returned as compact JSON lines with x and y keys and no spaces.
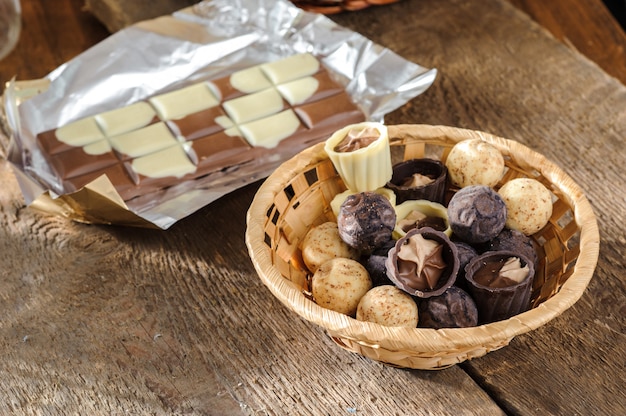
{"x":264,"y":112}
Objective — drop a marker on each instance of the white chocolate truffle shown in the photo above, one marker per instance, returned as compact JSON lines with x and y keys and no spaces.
{"x":474,"y":162}
{"x":339,"y":284}
{"x":389,"y":306}
{"x":322,"y":243}
{"x":528,"y":203}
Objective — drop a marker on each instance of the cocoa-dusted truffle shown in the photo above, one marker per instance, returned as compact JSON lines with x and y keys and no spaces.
{"x":366,"y":221}
{"x":454,"y":308}
{"x":500,"y":283}
{"x":476,"y":214}
{"x":419,"y":179}
{"x":423,"y":263}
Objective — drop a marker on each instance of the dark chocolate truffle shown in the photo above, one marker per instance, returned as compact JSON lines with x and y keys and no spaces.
{"x":375,"y":264}
{"x":498,"y":294}
{"x":419,"y":179}
{"x":423,"y":263}
{"x":513,"y":240}
{"x":366,"y":221}
{"x":476,"y":214}
{"x":454,"y":308}
{"x":466,"y":254}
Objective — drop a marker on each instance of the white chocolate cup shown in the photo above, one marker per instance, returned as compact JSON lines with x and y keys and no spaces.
{"x":365,"y":169}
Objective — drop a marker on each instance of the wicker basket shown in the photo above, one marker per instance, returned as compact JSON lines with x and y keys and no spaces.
{"x":338,"y":6}
{"x":297,"y":196}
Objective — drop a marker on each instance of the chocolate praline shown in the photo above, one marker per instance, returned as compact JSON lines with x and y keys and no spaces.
{"x":366,"y":221}
{"x":375,"y":264}
{"x":404,"y":171}
{"x":499,"y":303}
{"x":466,"y":254}
{"x":513,"y":240}
{"x":417,"y":284}
{"x":476,"y":214}
{"x":454,"y":308}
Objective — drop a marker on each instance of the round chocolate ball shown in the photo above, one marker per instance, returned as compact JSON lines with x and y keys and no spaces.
{"x":515,"y":241}
{"x":375,"y":264}
{"x":454,"y":308}
{"x":476,"y":214}
{"x":466,"y":254}
{"x":366,"y":221}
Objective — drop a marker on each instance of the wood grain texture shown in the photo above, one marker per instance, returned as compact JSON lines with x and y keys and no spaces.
{"x":112,"y":320}
{"x":586,"y":26}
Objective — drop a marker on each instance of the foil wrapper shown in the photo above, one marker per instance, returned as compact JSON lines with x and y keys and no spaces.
{"x":208,"y":40}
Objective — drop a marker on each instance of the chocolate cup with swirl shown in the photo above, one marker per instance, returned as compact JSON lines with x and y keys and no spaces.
{"x":499,"y":303}
{"x":403,"y":171}
{"x":416,"y":284}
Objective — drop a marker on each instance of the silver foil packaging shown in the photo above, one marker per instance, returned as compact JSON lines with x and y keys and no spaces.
{"x":207,"y":41}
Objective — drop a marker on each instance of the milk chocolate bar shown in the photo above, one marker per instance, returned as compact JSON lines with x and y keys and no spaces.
{"x":259,"y":113}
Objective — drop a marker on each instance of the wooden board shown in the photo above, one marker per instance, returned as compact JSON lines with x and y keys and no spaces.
{"x":111,"y":320}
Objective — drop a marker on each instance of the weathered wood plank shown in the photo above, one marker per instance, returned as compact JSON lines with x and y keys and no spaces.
{"x":110,"y":320}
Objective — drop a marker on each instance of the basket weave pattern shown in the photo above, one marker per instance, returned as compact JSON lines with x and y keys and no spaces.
{"x":297,"y":196}
{"x":338,"y":6}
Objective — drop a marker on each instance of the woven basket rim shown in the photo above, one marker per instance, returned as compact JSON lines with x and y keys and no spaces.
{"x":426,"y":339}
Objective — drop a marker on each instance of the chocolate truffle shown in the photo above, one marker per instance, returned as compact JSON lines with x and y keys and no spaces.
{"x":339,"y":199}
{"x":528,"y":203}
{"x":375,"y":264}
{"x":476,"y":214}
{"x":419,"y":179}
{"x":339,"y":284}
{"x":454,"y":308}
{"x":423,"y":263}
{"x":515,"y":241}
{"x":466,"y":254}
{"x":474,"y":162}
{"x":366,"y":221}
{"x":322,"y":243}
{"x":389,"y":306}
{"x":500,"y":283}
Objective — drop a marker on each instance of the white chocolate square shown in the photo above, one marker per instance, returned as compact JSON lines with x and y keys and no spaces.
{"x":171,"y":161}
{"x":80,"y":132}
{"x":250,"y":80}
{"x":179,"y":103}
{"x":97,"y":148}
{"x":268,"y":132}
{"x":124,"y":119}
{"x":299,"y":90}
{"x":254,"y":106}
{"x":143,"y":141}
{"x":290,"y":68}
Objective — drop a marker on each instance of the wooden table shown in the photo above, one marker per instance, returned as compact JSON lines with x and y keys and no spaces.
{"x":114,"y":320}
